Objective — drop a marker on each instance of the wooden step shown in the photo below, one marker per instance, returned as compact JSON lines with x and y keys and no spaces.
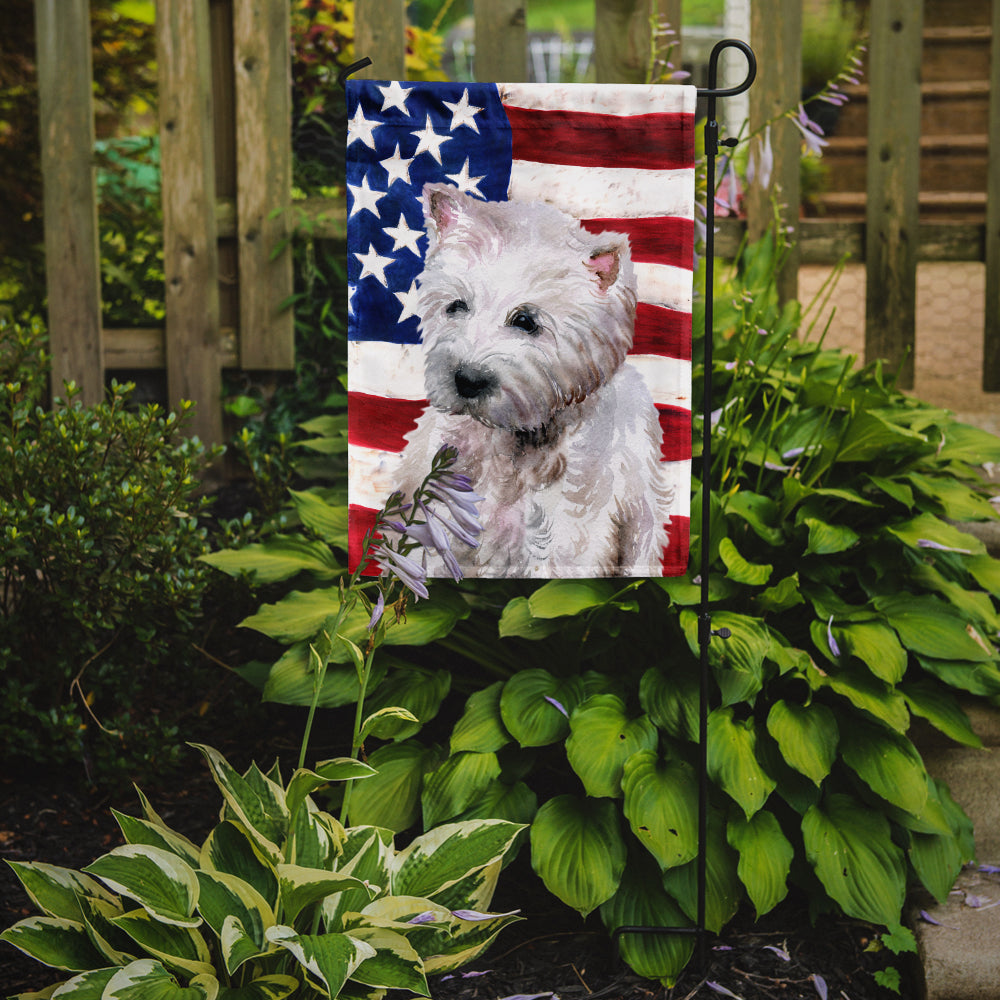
{"x":958,"y":206}
{"x":940,"y":13}
{"x":956,"y":53}
{"x":946,"y":106}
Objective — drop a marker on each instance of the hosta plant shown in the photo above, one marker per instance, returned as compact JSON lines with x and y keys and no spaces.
{"x":279,"y":900}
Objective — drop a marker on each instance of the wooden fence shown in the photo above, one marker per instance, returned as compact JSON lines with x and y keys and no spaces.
{"x":226,"y":160}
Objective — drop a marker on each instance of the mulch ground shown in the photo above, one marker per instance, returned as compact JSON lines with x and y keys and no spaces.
{"x":550,"y":953}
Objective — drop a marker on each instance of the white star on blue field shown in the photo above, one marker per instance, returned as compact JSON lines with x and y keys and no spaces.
{"x":400,"y":137}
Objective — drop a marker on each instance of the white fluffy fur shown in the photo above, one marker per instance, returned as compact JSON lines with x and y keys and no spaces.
{"x":526,"y":320}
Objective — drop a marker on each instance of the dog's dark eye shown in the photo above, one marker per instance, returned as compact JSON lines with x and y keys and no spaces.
{"x":523,"y":320}
{"x":458,"y":306}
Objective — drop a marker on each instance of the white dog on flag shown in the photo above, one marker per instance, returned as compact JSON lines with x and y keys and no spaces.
{"x":526,"y":320}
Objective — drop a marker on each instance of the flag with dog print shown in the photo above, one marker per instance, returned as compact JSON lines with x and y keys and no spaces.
{"x":520,"y":281}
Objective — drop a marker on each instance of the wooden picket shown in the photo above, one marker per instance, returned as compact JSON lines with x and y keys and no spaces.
{"x":226,"y":160}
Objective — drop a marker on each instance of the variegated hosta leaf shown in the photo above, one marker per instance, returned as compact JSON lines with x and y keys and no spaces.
{"x":256,"y":801}
{"x":147,"y":979}
{"x":456,"y":784}
{"x":807,"y":736}
{"x":602,"y":737}
{"x":765,"y":858}
{"x":661,"y":799}
{"x":441,"y":857}
{"x":230,"y":849}
{"x":535,"y":706}
{"x":177,"y":947}
{"x":300,"y":887}
{"x":578,"y":851}
{"x":481,"y":727}
{"x":850,"y":847}
{"x":395,"y":964}
{"x":116,"y":946}
{"x":55,"y":941}
{"x":417,"y":690}
{"x":476,"y":890}
{"x":141,"y":831}
{"x":329,"y":959}
{"x":732,"y":760}
{"x":642,"y":902}
{"x":315,"y":838}
{"x":304,"y":782}
{"x":467,"y":940}
{"x":367,"y":853}
{"x":158,"y":880}
{"x":56,"y":891}
{"x":225,"y":897}
{"x":274,"y":987}
{"x":86,"y":986}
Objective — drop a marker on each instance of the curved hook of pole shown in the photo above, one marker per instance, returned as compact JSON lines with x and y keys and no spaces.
{"x":353,"y":68}
{"x":713,"y":69}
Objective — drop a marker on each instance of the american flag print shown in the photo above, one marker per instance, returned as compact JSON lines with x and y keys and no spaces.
{"x":619,"y":159}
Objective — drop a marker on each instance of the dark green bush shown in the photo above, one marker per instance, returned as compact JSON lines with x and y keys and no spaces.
{"x":99,"y":580}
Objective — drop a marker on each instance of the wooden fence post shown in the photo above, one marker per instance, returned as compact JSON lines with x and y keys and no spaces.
{"x":190,"y":251}
{"x":621,"y":40}
{"x":776,"y":35}
{"x":262,"y":60}
{"x":501,"y":41}
{"x":991,"y":332}
{"x":380,"y":34}
{"x":893,"y":183}
{"x":72,"y":255}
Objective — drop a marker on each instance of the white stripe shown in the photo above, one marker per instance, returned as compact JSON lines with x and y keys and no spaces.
{"x":678,"y":476}
{"x":602,"y":192}
{"x":380,"y":368}
{"x":600,"y":98}
{"x":663,"y":285}
{"x":668,"y":379}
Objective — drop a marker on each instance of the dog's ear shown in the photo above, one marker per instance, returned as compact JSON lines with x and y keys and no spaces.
{"x":443,"y":208}
{"x":605,"y":265}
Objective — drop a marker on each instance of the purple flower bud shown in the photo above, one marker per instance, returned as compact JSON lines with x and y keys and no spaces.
{"x":377,"y":612}
{"x":558,"y":705}
{"x":820,"y":983}
{"x":927,"y":543}
{"x":834,"y":648}
{"x":427,"y":917}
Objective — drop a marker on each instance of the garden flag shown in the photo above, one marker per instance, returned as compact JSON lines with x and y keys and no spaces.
{"x":520,"y":279}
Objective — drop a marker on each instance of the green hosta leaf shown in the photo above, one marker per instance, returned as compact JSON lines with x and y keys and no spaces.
{"x":385,"y":723}
{"x":481,"y":728}
{"x":931,"y":628}
{"x":395,"y":964}
{"x":888,"y":763}
{"x":230,"y":849}
{"x":301,"y":887}
{"x":870,"y":435}
{"x":159,"y":881}
{"x":147,"y":979}
{"x":893,"y":488}
{"x":758,"y":511}
{"x":180,"y":948}
{"x":850,"y":848}
{"x":415,"y":689}
{"x":260,"y":809}
{"x":975,"y":605}
{"x":528,"y":710}
{"x":456,"y":784}
{"x":641,"y":901}
{"x":559,"y":598}
{"x":225,"y":897}
{"x":765,"y":858}
{"x":601,"y":739}
{"x":441,"y":857}
{"x":965,"y":443}
{"x":327,"y":520}
{"x":54,"y":941}
{"x":928,"y":528}
{"x":517,"y":620}
{"x":723,"y":889}
{"x":738,"y":569}
{"x":738,"y":661}
{"x":275,"y":987}
{"x":958,"y":502}
{"x":578,"y":851}
{"x":56,"y":891}
{"x":661,"y":799}
{"x":391,"y":798}
{"x":732,"y":760}
{"x":976,"y":678}
{"x":876,"y":646}
{"x":330,"y":959}
{"x":807,"y":736}
{"x":986,"y":571}
{"x":783,"y":595}
{"x":516,"y":803}
{"x":279,"y":558}
{"x":827,"y":539}
{"x":941,"y":709}
{"x":141,"y":831}
{"x":864,"y":692}
{"x":292,"y":680}
{"x":671,"y":700}
{"x":937,"y":859}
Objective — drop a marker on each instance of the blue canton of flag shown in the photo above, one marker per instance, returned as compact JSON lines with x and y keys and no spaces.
{"x":400,"y":138}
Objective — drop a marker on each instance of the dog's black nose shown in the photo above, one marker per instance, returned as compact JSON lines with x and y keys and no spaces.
{"x":472,"y":383}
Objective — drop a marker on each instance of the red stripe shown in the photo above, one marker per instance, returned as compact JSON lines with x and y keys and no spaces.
{"x":379,"y":422}
{"x":360,"y":521}
{"x":664,"y":239}
{"x":676,"y":426}
{"x":648,"y":142}
{"x":662,"y":331}
{"x":675,"y":553}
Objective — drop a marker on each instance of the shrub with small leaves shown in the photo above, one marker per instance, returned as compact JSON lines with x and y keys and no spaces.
{"x":100,"y":579}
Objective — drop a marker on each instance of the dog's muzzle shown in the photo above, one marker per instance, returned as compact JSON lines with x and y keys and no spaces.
{"x":474,"y":383}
